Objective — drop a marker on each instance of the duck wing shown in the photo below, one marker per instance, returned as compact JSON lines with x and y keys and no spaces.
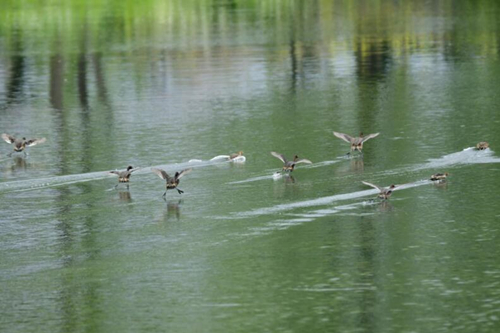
{"x":161,"y":173}
{"x":184,"y":172}
{"x":369,"y":136}
{"x":8,"y":138}
{"x":345,"y":137}
{"x":279,"y":156}
{"x":34,"y":142}
{"x":302,"y":160}
{"x":132,"y":170}
{"x":374,"y":186}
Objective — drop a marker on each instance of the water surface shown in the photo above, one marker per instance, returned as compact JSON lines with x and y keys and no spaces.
{"x":160,"y":83}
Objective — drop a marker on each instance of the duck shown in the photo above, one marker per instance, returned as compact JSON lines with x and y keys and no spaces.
{"x":21,"y":144}
{"x":482,"y":145}
{"x":235,"y":155}
{"x":439,"y":176}
{"x":289,"y":165}
{"x":171,"y":182}
{"x":356,"y":142}
{"x":385,"y":193}
{"x":124,"y":176}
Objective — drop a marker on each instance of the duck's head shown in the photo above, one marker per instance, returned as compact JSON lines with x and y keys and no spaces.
{"x":392,"y":187}
{"x":129,"y":168}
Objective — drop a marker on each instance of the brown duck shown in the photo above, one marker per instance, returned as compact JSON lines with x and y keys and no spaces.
{"x":124,"y":176}
{"x":482,"y":145}
{"x":290,"y":165}
{"x":356,"y":142}
{"x":235,"y":155}
{"x":439,"y":176}
{"x":385,"y":193}
{"x":171,"y":182}
{"x":21,"y":144}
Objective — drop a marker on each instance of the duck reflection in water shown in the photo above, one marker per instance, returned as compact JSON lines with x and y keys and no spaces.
{"x":385,"y":206}
{"x":19,"y":163}
{"x":124,"y":195}
{"x":287,"y":178}
{"x":357,"y":164}
{"x":173,"y":210}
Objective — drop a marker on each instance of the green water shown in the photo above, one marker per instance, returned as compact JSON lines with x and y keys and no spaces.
{"x":160,"y":83}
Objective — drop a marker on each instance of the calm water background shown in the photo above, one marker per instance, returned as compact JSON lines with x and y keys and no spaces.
{"x":157,"y":83}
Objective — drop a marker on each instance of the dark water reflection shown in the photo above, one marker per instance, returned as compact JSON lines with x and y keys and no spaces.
{"x":152,"y":83}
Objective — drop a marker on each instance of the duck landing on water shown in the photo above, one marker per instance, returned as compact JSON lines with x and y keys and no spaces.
{"x":385,"y":193}
{"x":124,"y":176}
{"x":21,"y":144}
{"x":288,"y":166}
{"x":171,"y":182}
{"x":356,"y":142}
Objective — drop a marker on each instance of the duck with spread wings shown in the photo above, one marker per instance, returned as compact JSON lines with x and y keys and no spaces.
{"x":21,"y":144}
{"x":288,"y":166}
{"x":356,"y":142}
{"x":385,"y":193}
{"x":171,"y":182}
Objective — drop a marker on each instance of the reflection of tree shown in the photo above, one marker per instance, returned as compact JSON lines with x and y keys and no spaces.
{"x":82,"y":81}
{"x":77,"y":243}
{"x":17,"y":60}
{"x":102,"y":91}
{"x":368,"y":266}
{"x":56,"y":81}
{"x":373,"y":59}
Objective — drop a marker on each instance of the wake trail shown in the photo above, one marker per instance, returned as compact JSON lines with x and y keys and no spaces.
{"x":33,"y":184}
{"x":467,"y":156}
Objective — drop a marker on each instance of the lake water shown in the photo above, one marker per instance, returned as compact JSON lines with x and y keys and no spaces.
{"x":159,"y":83}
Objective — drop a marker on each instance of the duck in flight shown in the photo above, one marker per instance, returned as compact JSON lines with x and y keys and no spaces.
{"x":288,"y":166}
{"x":385,"y":193}
{"x":171,"y":182}
{"x":21,"y":144}
{"x":356,"y":142}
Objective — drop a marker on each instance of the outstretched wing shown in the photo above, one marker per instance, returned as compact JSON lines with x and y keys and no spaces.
{"x":179,"y":175}
{"x":373,"y":185}
{"x":302,"y":160}
{"x":279,"y":156}
{"x":345,"y":137}
{"x":161,"y":173}
{"x":8,"y":138}
{"x":115,"y":172}
{"x":132,"y":170}
{"x":369,"y":136}
{"x":34,"y":142}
